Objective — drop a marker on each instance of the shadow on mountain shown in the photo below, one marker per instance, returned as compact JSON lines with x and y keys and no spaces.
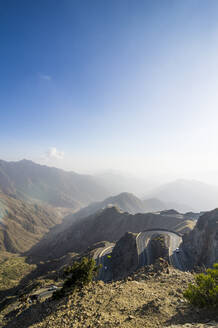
{"x":31,"y":315}
{"x":50,"y":269}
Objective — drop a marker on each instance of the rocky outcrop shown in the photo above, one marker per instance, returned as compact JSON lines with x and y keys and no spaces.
{"x":124,"y":256}
{"x":159,"y":247}
{"x":201,"y":244}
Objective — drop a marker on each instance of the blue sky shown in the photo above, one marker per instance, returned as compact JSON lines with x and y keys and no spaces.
{"x":122,"y":84}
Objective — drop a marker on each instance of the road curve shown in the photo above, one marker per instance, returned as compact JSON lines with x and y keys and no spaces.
{"x":142,"y":241}
{"x":105,"y":272}
{"x":176,"y":259}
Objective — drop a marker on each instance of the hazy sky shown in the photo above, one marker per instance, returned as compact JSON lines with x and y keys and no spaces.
{"x":130,"y":85}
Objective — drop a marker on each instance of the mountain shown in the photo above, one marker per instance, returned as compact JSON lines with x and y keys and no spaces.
{"x":22,"y":225}
{"x":108,"y":224}
{"x":197,"y":195}
{"x":27,"y":180}
{"x":201,"y":244}
{"x":125,"y":201}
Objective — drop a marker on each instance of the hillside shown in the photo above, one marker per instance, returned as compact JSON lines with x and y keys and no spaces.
{"x":150,"y":298}
{"x":108,"y":224}
{"x":195,"y":195}
{"x":201,"y":244}
{"x":27,"y":180}
{"x":22,"y":224}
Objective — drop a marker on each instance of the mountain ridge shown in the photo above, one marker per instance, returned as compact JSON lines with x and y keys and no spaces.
{"x":23,"y":224}
{"x":107,"y":224}
{"x":27,"y":180}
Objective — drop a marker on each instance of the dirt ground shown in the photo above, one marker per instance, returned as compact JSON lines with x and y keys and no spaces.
{"x":144,"y":300}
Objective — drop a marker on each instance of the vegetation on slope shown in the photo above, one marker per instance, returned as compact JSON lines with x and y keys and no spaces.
{"x":78,"y":275}
{"x":204,"y":293}
{"x":12,"y":269}
{"x":149,"y":298}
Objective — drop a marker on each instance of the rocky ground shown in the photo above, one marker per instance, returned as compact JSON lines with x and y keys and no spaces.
{"x":151,"y":297}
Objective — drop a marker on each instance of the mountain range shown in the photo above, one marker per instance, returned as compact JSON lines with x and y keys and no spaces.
{"x":34,"y":198}
{"x":195,"y":195}
{"x":51,"y":218}
{"x":125,"y":201}
{"x":23,"y":224}
{"x":108,"y":224}
{"x":27,"y":180}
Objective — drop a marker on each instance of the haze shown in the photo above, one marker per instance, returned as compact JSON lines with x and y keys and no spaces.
{"x":130,"y":86}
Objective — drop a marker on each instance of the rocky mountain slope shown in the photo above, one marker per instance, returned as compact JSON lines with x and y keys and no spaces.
{"x":27,"y":180}
{"x":22,"y":224}
{"x":201,"y":244}
{"x":124,"y":258}
{"x":151,"y":298}
{"x":108,"y":224}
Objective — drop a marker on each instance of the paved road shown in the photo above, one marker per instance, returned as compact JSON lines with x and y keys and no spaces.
{"x":45,"y":292}
{"x":177,"y":259}
{"x":143,"y":239}
{"x":105,"y":272}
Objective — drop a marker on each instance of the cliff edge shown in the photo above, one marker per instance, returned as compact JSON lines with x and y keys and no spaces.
{"x":201,"y":244}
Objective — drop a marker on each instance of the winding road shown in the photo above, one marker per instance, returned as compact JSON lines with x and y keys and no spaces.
{"x":143,"y":239}
{"x":176,"y":256}
{"x":105,"y":272}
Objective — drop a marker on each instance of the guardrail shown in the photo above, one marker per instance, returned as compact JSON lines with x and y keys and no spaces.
{"x":162,"y":229}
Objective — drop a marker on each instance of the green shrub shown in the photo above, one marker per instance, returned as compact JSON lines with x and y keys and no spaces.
{"x":58,"y":294}
{"x":81,"y":273}
{"x":78,"y":275}
{"x":205,"y":291}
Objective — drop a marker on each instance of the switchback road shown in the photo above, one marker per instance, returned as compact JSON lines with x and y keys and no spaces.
{"x":176,"y":256}
{"x":143,"y":239}
{"x":105,"y":272}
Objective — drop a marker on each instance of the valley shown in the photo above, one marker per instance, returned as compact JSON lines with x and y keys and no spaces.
{"x":133,"y":240}
{"x":108,"y":164}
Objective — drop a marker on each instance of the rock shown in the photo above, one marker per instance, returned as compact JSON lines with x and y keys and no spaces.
{"x":201,"y":244}
{"x":130,"y":317}
{"x":124,"y":259}
{"x":158,"y":247}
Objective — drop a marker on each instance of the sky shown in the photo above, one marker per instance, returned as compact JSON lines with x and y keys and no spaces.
{"x":92,"y":85}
